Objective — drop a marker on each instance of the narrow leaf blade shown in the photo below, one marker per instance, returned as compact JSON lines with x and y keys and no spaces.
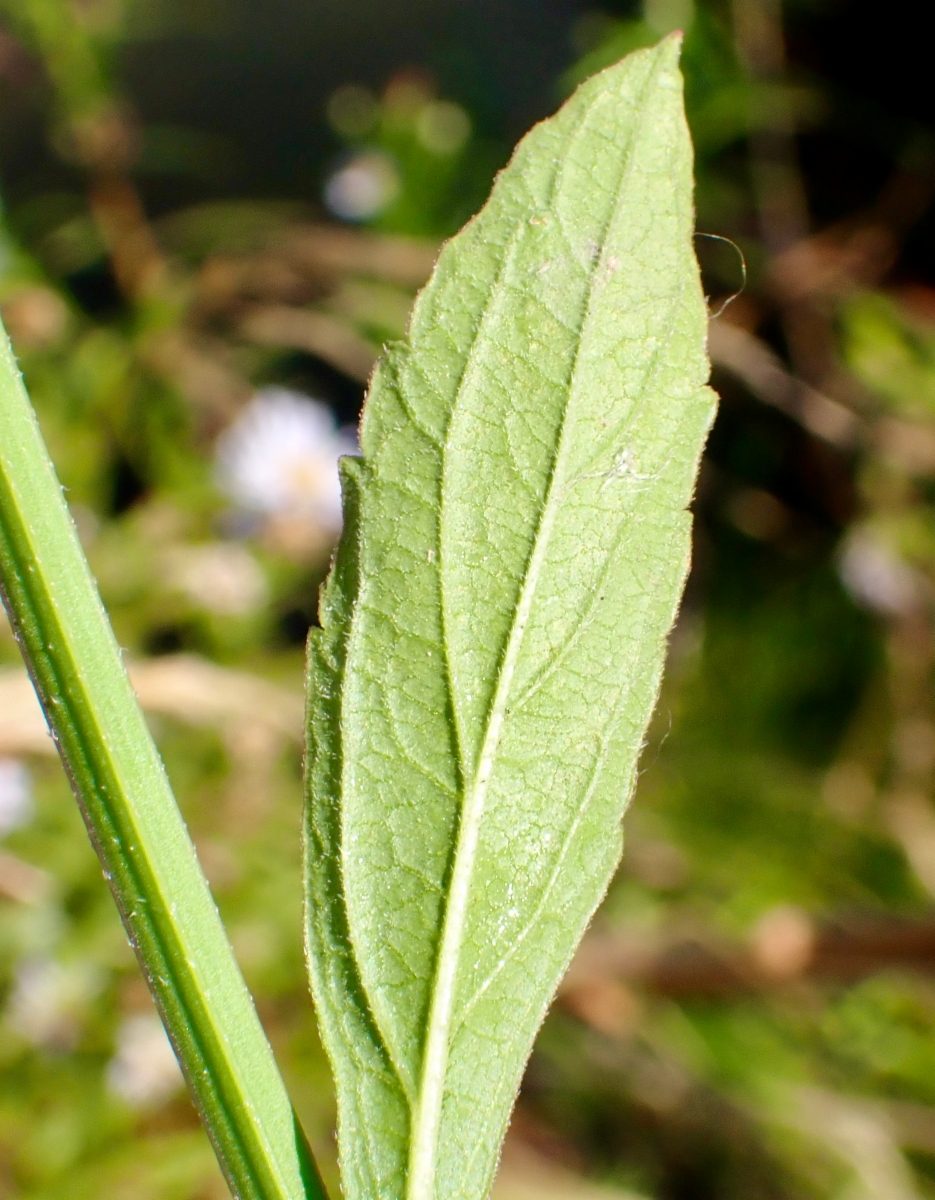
{"x":134,"y":823}
{"x":519,"y":543}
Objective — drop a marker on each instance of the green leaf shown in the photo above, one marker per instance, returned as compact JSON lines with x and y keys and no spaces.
{"x":493,"y":631}
{"x":136,"y":827}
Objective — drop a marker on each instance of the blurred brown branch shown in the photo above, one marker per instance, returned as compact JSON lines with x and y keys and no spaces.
{"x":314,"y":288}
{"x":762,"y":371}
{"x":790,"y":948}
{"x":527,"y":1174}
{"x":183,"y":687}
{"x":23,"y":882}
{"x":317,"y":333}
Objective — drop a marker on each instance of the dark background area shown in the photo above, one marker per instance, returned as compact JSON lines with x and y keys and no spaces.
{"x":258,"y":78}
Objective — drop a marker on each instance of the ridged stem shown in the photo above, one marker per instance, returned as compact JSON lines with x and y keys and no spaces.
{"x":135,"y":824}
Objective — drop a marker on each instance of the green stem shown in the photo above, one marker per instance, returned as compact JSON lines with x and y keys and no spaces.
{"x":134,"y":822}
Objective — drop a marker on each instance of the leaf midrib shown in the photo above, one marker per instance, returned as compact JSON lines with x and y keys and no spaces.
{"x":427,"y":1118}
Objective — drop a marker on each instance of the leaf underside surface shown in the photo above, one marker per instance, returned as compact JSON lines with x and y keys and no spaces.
{"x":493,"y":632}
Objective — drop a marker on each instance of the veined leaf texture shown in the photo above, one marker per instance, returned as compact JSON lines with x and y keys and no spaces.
{"x":493,"y":632}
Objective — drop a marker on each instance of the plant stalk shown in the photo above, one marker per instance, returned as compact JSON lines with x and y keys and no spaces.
{"x":135,"y":824}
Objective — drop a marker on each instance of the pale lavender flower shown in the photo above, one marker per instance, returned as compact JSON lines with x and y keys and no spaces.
{"x":144,"y":1072}
{"x":16,"y":803}
{"x":280,"y":457}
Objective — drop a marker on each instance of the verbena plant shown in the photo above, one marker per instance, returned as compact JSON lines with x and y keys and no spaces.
{"x":492,"y":636}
